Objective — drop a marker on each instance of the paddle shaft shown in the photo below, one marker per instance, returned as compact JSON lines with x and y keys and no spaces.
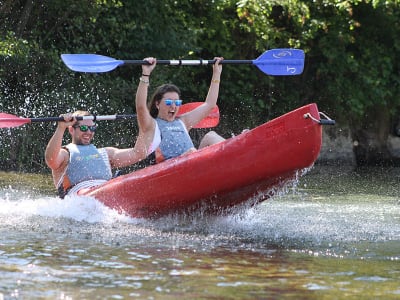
{"x":80,"y":118}
{"x":9,"y":121}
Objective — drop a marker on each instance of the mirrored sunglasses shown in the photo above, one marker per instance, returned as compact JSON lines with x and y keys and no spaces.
{"x":85,"y":128}
{"x":169,"y":102}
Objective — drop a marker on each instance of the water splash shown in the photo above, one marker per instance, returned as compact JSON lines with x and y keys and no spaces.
{"x":21,"y":205}
{"x":294,"y":219}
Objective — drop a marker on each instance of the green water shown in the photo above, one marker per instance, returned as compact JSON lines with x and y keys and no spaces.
{"x":335,"y":236}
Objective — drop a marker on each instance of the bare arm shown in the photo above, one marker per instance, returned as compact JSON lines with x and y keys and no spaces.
{"x":124,"y":157}
{"x":145,"y":120}
{"x":120,"y":158}
{"x":56,"y":156}
{"x":195,"y":116}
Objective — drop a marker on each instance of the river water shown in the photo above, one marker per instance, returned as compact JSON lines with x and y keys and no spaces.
{"x":334,"y":234}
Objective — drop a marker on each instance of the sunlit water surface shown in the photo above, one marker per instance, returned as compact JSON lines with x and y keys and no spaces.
{"x":334,"y":235}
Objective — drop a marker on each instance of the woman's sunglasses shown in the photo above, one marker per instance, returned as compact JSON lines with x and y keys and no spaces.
{"x":85,"y":128}
{"x":169,"y":102}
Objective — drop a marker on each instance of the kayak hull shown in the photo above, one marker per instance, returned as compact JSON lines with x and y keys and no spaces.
{"x":217,"y":178}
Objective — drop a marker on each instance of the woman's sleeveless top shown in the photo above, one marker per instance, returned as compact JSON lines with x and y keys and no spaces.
{"x":174,"y":138}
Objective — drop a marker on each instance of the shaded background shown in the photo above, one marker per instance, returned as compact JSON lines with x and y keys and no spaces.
{"x":351,"y":69}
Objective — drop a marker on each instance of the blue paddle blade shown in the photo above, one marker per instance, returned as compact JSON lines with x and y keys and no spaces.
{"x":91,"y":63}
{"x":281,"y":62}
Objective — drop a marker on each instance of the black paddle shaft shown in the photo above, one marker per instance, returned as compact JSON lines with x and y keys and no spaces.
{"x":80,"y":118}
{"x":185,"y":62}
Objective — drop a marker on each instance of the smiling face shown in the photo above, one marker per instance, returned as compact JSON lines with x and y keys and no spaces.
{"x":162,"y":93}
{"x":168,"y":112}
{"x":80,"y":137}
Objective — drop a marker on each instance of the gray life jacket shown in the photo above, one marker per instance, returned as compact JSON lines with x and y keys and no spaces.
{"x":86,"y":162}
{"x":175,"y":139}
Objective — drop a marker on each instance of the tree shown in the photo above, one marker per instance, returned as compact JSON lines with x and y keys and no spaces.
{"x":359,"y":72}
{"x":352,"y":65}
{"x":351,"y":69}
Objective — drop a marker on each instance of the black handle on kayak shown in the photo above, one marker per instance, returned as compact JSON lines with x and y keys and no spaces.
{"x":327,"y":122}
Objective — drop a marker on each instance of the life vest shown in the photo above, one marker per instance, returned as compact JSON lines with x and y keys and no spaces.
{"x":86,"y":163}
{"x":174,"y":139}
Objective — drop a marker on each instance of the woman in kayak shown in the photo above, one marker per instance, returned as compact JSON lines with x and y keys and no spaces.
{"x":80,"y":165}
{"x":165,"y":132}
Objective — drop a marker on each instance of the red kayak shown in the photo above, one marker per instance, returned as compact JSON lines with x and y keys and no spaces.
{"x":245,"y":168}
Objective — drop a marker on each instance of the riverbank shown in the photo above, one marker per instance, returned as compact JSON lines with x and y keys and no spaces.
{"x":337,"y":147}
{"x":34,"y":183}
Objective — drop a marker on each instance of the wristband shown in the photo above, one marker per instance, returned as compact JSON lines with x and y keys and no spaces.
{"x":144,"y":80}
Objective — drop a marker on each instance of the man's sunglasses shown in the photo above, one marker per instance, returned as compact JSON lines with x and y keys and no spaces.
{"x":169,"y":102}
{"x":85,"y":128}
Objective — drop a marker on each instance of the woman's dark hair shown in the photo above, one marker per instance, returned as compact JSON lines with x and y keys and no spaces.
{"x":158,"y":94}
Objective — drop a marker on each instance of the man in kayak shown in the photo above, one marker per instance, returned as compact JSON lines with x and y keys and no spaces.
{"x":80,"y":165}
{"x":166,"y":133}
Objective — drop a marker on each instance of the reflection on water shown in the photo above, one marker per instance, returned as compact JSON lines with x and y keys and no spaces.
{"x":336,"y":235}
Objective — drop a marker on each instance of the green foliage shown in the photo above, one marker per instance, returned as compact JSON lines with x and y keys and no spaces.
{"x":352,"y":60}
{"x":356,"y":53}
{"x":273,"y":23}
